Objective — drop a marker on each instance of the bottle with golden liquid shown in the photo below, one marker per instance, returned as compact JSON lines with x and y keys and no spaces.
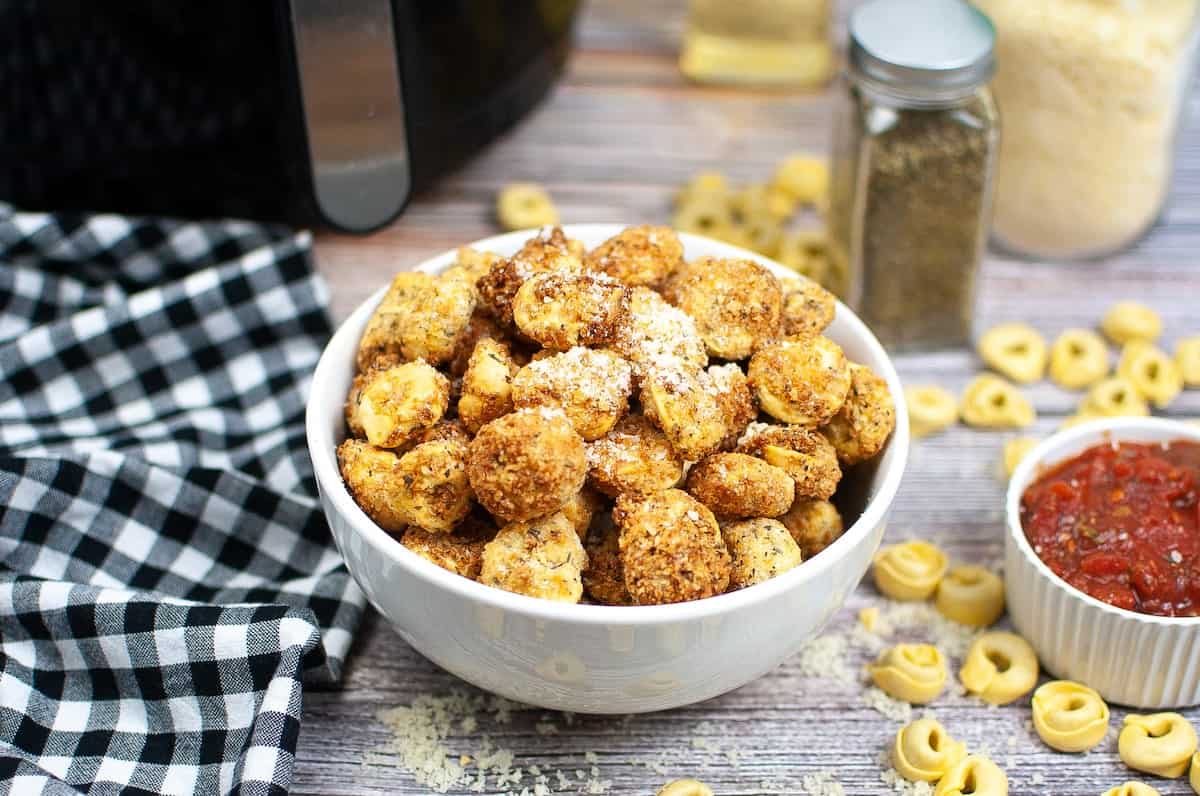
{"x":771,"y":43}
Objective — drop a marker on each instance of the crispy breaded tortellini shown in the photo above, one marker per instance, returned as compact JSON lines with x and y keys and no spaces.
{"x":924,"y":751}
{"x":738,"y":404}
{"x":420,"y":317}
{"x":371,"y":478}
{"x":604,"y":578}
{"x":1015,"y":350}
{"x":545,"y":253}
{"x":736,"y":304}
{"x":866,"y":419}
{"x":1078,"y":359}
{"x":737,"y":485}
{"x":684,"y":404}
{"x":808,"y":308}
{"x":433,"y":492}
{"x":580,"y":509}
{"x":653,"y":335}
{"x":487,"y":384}
{"x":638,"y":256}
{"x":814,"y":524}
{"x":761,"y":549}
{"x":633,"y":457}
{"x":805,"y":455}
{"x":801,"y":380}
{"x":1152,"y":372}
{"x":540,"y":557}
{"x":974,"y":776}
{"x":1069,"y":717}
{"x":671,"y":548}
{"x":1000,"y":668}
{"x":590,"y":386}
{"x":460,"y":552}
{"x":392,"y":405}
{"x":526,"y":464}
{"x":1161,"y":744}
{"x":914,"y":673}
{"x":562,"y":310}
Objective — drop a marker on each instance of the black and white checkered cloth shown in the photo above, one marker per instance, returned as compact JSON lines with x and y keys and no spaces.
{"x":166,"y":576}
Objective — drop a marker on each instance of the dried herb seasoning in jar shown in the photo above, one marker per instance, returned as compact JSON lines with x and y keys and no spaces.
{"x":915,"y":143}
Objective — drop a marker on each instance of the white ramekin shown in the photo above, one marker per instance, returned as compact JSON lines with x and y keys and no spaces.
{"x":592,"y":658}
{"x":1132,"y":659}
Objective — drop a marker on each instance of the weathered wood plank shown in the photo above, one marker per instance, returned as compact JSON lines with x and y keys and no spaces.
{"x":612,"y":144}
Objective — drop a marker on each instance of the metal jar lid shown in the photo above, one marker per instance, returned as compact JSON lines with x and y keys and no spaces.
{"x":922,"y":49}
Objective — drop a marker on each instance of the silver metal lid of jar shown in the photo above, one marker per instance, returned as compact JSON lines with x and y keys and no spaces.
{"x":935,"y":49}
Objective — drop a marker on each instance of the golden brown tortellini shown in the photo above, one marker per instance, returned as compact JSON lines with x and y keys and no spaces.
{"x":862,"y":426}
{"x":737,"y":485}
{"x":541,"y":557}
{"x":808,"y":457}
{"x":420,"y":317}
{"x":561,"y":310}
{"x":814,"y":524}
{"x":460,"y":552}
{"x":801,"y":380}
{"x":808,"y":308}
{"x":671,"y":548}
{"x":653,"y":335}
{"x":546,"y":253}
{"x":371,"y":477}
{"x":526,"y":464}
{"x":738,"y":404}
{"x":433,"y":492}
{"x":737,"y":304}
{"x":591,"y":387}
{"x":760,"y":549}
{"x":604,"y":578}
{"x":685,"y":406}
{"x":392,"y":405}
{"x":634,"y":457}
{"x":487,"y":384}
{"x":638,"y":256}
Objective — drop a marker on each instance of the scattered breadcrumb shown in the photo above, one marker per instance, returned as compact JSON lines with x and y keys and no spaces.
{"x":897,"y":783}
{"x":822,"y":783}
{"x":883,"y":704}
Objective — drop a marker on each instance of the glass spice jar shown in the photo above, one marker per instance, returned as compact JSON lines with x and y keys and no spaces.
{"x":1092,"y":92}
{"x":915,"y":139}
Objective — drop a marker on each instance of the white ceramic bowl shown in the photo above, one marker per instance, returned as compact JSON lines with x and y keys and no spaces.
{"x":587,"y":658}
{"x":1133,"y":659}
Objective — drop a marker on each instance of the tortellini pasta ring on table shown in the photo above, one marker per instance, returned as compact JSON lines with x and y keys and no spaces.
{"x":523,"y":205}
{"x":703,"y":214}
{"x":976,"y":776}
{"x":1015,"y":350}
{"x":1000,"y":668}
{"x":708,"y":185}
{"x":1132,"y":789}
{"x":1078,"y":359}
{"x":685,"y":787}
{"x":991,"y":402}
{"x":909,"y":571}
{"x":930,"y":409}
{"x":1114,"y":397}
{"x":1127,"y":321}
{"x":1015,"y":451}
{"x":971,"y":595}
{"x":1194,"y":777}
{"x":1187,"y":357}
{"x":1069,"y":717}
{"x":924,"y":751}
{"x":914,"y":673}
{"x":803,"y":177}
{"x":1162,"y":744}
{"x":1152,"y":372}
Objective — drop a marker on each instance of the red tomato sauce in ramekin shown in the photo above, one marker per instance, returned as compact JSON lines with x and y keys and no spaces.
{"x":1121,"y":522}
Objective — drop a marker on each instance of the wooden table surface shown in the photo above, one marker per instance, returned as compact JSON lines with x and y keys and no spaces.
{"x":619,"y":134}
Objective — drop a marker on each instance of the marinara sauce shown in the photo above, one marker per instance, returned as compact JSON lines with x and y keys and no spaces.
{"x":1122,"y":523}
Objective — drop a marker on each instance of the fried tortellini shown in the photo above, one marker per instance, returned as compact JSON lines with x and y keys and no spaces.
{"x":737,"y":485}
{"x":549,"y":422}
{"x":736,"y":304}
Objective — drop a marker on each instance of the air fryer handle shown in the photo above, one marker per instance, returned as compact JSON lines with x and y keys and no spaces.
{"x":353,"y":108}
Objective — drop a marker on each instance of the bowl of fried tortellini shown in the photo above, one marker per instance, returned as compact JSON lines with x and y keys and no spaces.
{"x":606,"y":469}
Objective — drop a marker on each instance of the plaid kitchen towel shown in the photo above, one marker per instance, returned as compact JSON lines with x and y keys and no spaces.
{"x":166,"y":575}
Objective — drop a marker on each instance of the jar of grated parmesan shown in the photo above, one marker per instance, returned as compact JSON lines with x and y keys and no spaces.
{"x":1091,"y":92}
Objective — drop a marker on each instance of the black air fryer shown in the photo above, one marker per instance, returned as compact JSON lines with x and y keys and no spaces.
{"x":325,"y":112}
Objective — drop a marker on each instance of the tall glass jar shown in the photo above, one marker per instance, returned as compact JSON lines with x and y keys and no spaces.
{"x":915,"y":138}
{"x":758,"y":42}
{"x":1091,"y":92}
